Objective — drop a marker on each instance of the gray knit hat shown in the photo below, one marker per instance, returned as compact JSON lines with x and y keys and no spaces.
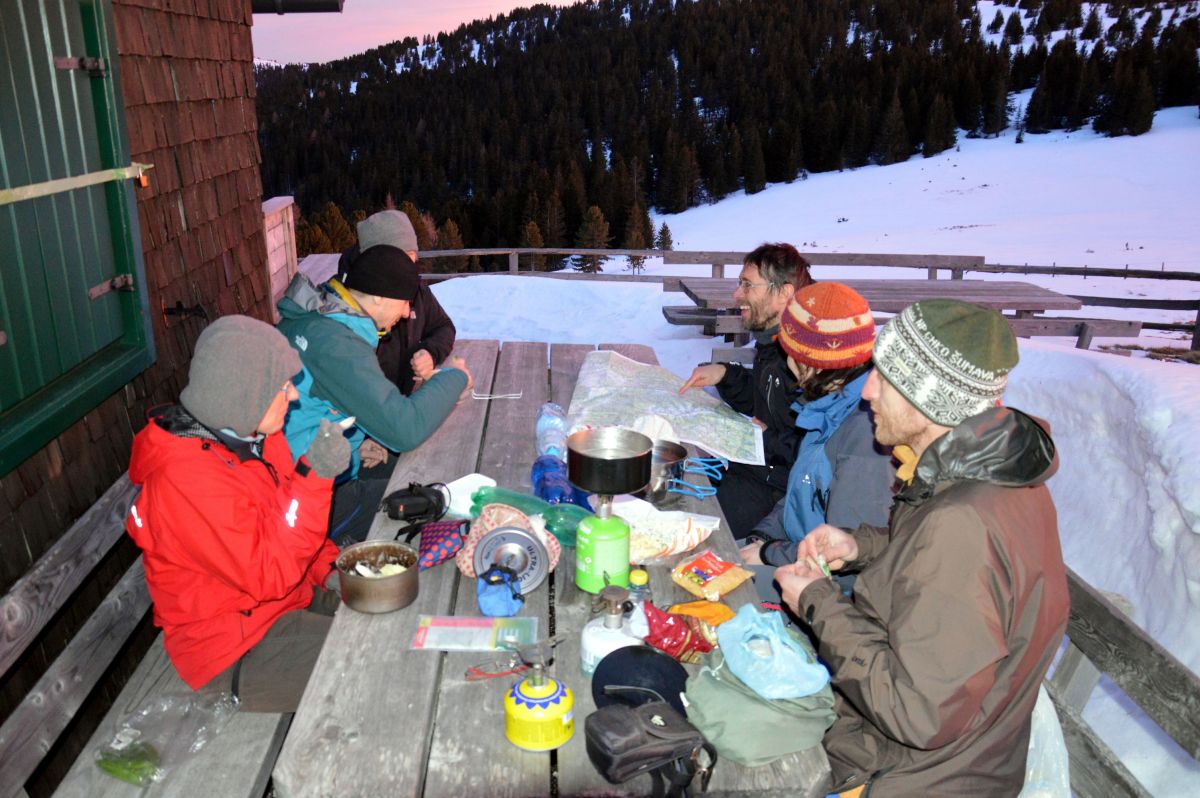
{"x":387,"y":227}
{"x":949,"y":358}
{"x":239,"y":365}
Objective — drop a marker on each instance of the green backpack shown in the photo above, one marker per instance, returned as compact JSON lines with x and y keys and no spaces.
{"x":749,"y":729}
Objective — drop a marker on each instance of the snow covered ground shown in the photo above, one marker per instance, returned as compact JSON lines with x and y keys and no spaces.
{"x":1128,"y":491}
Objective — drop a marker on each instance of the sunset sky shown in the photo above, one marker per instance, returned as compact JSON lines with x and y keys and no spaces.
{"x":364,"y":24}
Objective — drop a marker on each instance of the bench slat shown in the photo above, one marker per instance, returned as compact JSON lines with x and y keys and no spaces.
{"x":236,"y":762}
{"x":1095,"y":770}
{"x":470,"y":754}
{"x":1149,"y":674}
{"x":38,"y":595}
{"x":48,"y":708}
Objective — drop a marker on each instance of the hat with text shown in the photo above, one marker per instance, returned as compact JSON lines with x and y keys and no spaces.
{"x":949,"y":358}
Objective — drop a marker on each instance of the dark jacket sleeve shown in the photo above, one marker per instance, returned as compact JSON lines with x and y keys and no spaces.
{"x":347,"y":375}
{"x":437,"y":330}
{"x":736,"y":388}
{"x":921,"y":680}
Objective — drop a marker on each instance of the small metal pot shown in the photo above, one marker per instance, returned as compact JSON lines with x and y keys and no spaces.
{"x":376,"y":594}
{"x":666,"y":464}
{"x":609,"y":460}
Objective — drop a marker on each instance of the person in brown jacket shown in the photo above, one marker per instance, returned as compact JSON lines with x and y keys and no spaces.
{"x":962,"y":599}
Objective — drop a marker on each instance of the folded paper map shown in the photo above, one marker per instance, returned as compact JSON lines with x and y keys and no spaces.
{"x":614,"y":391}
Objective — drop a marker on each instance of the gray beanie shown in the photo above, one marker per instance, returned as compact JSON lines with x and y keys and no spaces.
{"x":239,"y":365}
{"x":949,"y":358}
{"x":389,"y":227}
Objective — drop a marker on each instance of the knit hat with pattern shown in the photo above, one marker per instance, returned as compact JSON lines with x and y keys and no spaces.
{"x":827,"y":326}
{"x":238,"y":367}
{"x":949,"y":358}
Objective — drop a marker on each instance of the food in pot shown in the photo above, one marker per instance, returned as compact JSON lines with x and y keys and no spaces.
{"x":363,"y":568}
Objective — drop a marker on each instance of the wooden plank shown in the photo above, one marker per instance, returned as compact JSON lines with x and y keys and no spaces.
{"x":38,"y":595}
{"x":235,"y":762}
{"x":1146,"y":304}
{"x":32,"y":729}
{"x":1095,"y":770}
{"x":836,"y":259}
{"x":364,"y":723}
{"x":470,"y":754}
{"x":1056,"y":325}
{"x":1149,"y":674}
{"x":1075,"y":677}
{"x":565,"y":360}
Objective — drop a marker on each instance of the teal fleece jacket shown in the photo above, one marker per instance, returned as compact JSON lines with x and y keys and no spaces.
{"x":341,"y":377}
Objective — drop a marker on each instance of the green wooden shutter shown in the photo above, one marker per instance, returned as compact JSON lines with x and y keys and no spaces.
{"x":69,"y":339}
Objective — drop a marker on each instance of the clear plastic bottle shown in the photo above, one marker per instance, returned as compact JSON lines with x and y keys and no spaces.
{"x":639,"y":597}
{"x":549,"y":478}
{"x":552,"y":430}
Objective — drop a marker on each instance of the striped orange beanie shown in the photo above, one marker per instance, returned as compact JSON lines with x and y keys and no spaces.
{"x":827,"y":326}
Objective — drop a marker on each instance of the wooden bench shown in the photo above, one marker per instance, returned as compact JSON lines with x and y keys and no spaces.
{"x":1103,"y":640}
{"x":237,"y":762}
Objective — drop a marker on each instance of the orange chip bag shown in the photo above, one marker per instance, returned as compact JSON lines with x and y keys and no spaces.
{"x":707,"y":576}
{"x":714,"y":613}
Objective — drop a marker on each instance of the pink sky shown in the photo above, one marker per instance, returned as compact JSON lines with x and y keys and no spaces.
{"x":364,"y":24}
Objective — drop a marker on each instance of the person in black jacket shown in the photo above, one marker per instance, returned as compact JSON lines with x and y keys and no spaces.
{"x":412,"y":349}
{"x":770,"y":276}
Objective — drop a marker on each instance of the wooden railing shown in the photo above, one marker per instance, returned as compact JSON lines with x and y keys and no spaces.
{"x":956,"y":265}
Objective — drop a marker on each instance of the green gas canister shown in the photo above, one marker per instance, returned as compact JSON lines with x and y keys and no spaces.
{"x":602,"y":552}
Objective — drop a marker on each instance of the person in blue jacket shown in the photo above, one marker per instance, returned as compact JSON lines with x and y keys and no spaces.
{"x":841,"y":475}
{"x":335,"y":330}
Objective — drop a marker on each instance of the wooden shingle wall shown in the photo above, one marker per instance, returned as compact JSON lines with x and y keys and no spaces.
{"x":186,"y":69}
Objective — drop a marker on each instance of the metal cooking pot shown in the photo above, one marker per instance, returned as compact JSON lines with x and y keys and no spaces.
{"x":376,"y":594}
{"x":609,"y":460}
{"x":666,"y":464}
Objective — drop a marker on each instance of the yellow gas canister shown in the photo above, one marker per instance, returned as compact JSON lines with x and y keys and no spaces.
{"x":539,"y":712}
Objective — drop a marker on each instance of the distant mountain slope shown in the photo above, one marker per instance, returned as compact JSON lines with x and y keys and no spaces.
{"x":512,"y":129}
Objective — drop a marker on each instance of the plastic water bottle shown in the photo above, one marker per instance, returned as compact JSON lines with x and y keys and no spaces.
{"x":639,"y":596}
{"x":552,"y":430}
{"x":549,"y":477}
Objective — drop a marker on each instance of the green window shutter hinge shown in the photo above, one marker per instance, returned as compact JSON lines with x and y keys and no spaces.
{"x":45,"y":189}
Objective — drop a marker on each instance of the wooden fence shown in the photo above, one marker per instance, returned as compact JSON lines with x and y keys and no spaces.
{"x":955,"y":265}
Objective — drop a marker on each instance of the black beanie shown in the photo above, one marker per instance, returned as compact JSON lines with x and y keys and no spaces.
{"x":386,"y":271}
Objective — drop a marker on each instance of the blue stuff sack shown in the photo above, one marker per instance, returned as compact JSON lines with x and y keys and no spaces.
{"x":770,"y":659}
{"x":499,"y":593}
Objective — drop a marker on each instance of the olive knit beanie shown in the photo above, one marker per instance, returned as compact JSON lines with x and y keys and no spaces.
{"x":949,"y":358}
{"x":827,"y":326}
{"x":239,"y":365}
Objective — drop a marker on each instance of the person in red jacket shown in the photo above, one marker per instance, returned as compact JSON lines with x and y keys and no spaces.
{"x":234,"y":534}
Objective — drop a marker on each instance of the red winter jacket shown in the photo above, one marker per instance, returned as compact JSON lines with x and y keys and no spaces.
{"x":228,"y":545}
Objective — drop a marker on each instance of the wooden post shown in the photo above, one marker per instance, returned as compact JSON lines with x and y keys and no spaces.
{"x":932,"y":272}
{"x":718,"y":270}
{"x":956,"y":274}
{"x":512,"y":262}
{"x":1085,"y":336}
{"x":1196,"y":329}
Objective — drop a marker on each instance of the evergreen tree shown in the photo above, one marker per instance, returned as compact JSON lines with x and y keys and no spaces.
{"x":635,"y":237}
{"x":311,"y":239}
{"x":592,"y":234}
{"x":663,"y":240}
{"x":1091,"y":28}
{"x":996,"y":107}
{"x":531,"y":237}
{"x":940,"y":134}
{"x":554,"y":231}
{"x":340,"y":234}
{"x":753,"y":162}
{"x":449,"y":237}
{"x":1014,"y":31}
{"x":997,"y":22}
{"x":414,"y":216}
{"x":1178,"y":67}
{"x":891,"y":143}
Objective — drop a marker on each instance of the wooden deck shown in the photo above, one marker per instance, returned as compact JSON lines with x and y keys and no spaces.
{"x":381,"y":719}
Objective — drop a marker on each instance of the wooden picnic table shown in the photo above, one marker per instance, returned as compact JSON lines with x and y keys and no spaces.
{"x":378,"y":718}
{"x":892,"y":296}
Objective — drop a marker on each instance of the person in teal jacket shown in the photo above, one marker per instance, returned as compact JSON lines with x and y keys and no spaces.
{"x":335,"y":329}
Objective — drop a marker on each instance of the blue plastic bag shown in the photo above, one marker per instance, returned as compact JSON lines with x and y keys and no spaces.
{"x":499,"y":592}
{"x":773,"y":661}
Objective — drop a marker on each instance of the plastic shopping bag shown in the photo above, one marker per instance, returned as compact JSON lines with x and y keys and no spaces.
{"x":772,"y":660}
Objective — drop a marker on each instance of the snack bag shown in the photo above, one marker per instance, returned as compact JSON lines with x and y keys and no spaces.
{"x":684,"y":637}
{"x":707,"y":576}
{"x":714,"y":613}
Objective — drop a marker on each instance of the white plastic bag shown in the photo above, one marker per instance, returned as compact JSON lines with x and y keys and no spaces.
{"x":1047,"y":768}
